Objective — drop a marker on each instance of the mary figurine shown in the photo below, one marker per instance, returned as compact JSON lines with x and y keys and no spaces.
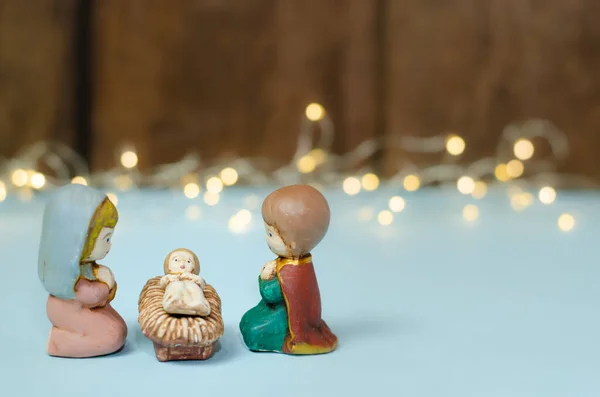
{"x":76,"y":232}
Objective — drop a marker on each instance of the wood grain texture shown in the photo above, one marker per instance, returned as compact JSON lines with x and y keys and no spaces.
{"x":229,"y":77}
{"x":36,"y":59}
{"x":473,"y":67}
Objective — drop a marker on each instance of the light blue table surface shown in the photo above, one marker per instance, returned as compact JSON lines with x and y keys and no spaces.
{"x":429,"y":306}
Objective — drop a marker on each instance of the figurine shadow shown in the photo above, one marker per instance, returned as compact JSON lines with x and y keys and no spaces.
{"x":225,"y":348}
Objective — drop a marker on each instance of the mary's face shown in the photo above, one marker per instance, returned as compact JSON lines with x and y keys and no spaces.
{"x":181,"y":262}
{"x":102,"y":245}
{"x":275,"y":242}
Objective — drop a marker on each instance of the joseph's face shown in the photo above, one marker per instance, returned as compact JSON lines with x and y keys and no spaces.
{"x":275,"y":242}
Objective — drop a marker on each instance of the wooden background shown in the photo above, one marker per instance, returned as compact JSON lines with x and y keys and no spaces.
{"x":232,"y":77}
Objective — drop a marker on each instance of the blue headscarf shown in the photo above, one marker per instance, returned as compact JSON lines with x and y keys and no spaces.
{"x":65,"y":226}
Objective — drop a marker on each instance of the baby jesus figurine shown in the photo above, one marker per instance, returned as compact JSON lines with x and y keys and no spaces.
{"x":184,"y":288}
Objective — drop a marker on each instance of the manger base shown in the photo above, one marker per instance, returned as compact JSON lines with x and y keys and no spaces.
{"x":164,"y":353}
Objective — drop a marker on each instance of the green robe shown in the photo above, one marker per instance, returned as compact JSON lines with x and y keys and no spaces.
{"x":265,"y":326}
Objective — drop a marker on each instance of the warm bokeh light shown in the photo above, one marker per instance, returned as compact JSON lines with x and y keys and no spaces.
{"x":214,"y":185}
{"x":455,"y":145}
{"x":238,"y":223}
{"x":385,"y":218}
{"x":37,"y":180}
{"x":229,"y":176}
{"x":520,"y":201}
{"x":351,"y":185}
{"x":79,"y":180}
{"x":193,"y":212}
{"x":411,"y":183}
{"x":515,"y":168}
{"x":566,"y":222}
{"x":479,"y":190}
{"x":191,"y":190}
{"x":370,"y":181}
{"x":113,"y":197}
{"x":315,"y":112}
{"x":211,"y":198}
{"x":470,"y":212}
{"x":501,"y":173}
{"x":19,"y":177}
{"x":306,"y":164}
{"x":129,"y":159}
{"x":397,"y":204}
{"x":123,"y":182}
{"x":547,"y":195}
{"x":465,"y":185}
{"x":244,"y":216}
{"x":319,"y":155}
{"x":2,"y":191}
{"x":523,"y":149}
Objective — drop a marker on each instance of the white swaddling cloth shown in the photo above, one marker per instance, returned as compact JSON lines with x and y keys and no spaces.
{"x":184,"y":294}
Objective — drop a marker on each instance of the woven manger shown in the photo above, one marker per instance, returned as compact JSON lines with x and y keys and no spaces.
{"x":179,"y":337}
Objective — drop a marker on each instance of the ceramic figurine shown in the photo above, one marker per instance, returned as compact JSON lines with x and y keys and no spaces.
{"x":288,"y":318}
{"x":183,"y":285}
{"x":77,"y":231}
{"x":179,"y":312}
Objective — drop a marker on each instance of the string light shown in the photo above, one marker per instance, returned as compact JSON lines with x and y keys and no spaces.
{"x":465,"y":185}
{"x":351,"y":186}
{"x":385,"y":218}
{"x":455,"y":145}
{"x":501,"y":173}
{"x":193,"y":212}
{"x":319,"y":155}
{"x":520,"y":201}
{"x":523,"y":149}
{"x":315,"y":112}
{"x":370,"y":181}
{"x":566,"y":222}
{"x":129,"y":159}
{"x":191,"y":190}
{"x":211,"y":198}
{"x":306,"y":164}
{"x":244,"y":216}
{"x":411,"y":183}
{"x":214,"y":185}
{"x":113,"y":197}
{"x":229,"y":176}
{"x":515,"y":168}
{"x":79,"y":180}
{"x":397,"y":204}
{"x":479,"y":190}
{"x":19,"y":177}
{"x":56,"y":156}
{"x":238,"y":223}
{"x":547,"y":195}
{"x":470,"y":212}
{"x":2,"y":191}
{"x":38,"y":180}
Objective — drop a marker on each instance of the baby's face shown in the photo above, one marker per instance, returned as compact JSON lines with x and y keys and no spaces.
{"x":181,"y":262}
{"x":275,"y":242}
{"x":102,"y":245}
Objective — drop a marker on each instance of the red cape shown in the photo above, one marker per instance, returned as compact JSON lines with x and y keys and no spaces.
{"x":308,"y":333}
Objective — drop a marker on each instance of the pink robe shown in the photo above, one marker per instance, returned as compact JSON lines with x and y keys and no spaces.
{"x":86,"y":326}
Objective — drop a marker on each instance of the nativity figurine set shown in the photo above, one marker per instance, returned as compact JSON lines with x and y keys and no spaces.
{"x":179,"y":311}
